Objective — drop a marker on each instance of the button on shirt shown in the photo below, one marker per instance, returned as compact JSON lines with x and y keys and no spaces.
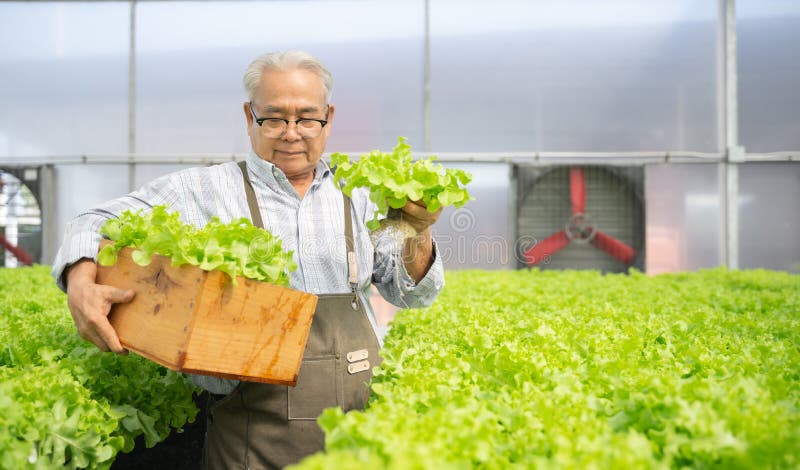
{"x":312,"y":227}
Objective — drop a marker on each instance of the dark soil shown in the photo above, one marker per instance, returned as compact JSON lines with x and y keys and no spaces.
{"x":180,"y":451}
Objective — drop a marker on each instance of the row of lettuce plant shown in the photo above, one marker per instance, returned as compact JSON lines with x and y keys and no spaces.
{"x":65,"y":404}
{"x":542,"y":369}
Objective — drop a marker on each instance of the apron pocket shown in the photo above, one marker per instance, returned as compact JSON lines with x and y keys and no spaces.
{"x":217,"y":400}
{"x":315,"y":390}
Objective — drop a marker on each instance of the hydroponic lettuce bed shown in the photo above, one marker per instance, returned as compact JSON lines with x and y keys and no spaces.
{"x":507,"y":370}
{"x":578,"y":370}
{"x":65,"y":404}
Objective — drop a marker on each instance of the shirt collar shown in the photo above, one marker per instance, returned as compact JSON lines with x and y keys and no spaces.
{"x":271,"y":174}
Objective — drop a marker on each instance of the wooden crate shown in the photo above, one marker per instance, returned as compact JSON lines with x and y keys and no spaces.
{"x":196,"y":321}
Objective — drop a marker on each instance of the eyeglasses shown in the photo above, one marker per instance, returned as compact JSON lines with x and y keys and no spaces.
{"x":274,"y":128}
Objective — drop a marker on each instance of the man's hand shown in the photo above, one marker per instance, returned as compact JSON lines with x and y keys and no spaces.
{"x":416,"y":213}
{"x":89,"y":303}
{"x":418,"y":251}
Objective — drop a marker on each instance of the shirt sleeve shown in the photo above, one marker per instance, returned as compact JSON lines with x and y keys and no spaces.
{"x":395,"y":284}
{"x":82,"y":236}
{"x":215,"y":385}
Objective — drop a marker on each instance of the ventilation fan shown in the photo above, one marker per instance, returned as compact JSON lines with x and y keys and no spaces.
{"x":581,"y":217}
{"x":20,"y":216}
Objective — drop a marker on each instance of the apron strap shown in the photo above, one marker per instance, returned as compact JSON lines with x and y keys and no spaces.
{"x":352,"y":265}
{"x":252,"y":202}
{"x":255,"y":216}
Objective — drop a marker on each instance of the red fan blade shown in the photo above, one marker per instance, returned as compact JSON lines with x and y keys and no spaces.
{"x":577,"y":190}
{"x":613,"y":247}
{"x":546,"y":247}
{"x":19,"y":253}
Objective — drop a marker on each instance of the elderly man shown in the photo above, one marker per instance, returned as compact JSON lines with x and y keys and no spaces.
{"x":284,"y":186}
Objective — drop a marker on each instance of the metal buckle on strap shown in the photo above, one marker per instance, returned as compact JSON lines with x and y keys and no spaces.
{"x":354,"y":302}
{"x":359,"y":355}
{"x":357,"y":367}
{"x":352,"y":267}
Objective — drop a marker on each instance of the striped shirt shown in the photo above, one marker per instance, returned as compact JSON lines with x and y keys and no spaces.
{"x":312,"y":227}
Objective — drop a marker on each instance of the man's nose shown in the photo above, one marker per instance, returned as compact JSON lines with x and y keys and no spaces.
{"x":291,"y":134}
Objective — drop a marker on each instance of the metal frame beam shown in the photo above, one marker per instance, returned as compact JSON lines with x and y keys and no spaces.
{"x":734,"y":154}
{"x":426,"y":81}
{"x":47,"y":195}
{"x":132,"y":99}
{"x":566,"y":158}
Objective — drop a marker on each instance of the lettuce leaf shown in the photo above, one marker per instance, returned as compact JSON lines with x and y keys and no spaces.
{"x":550,"y":369}
{"x":64,"y":403}
{"x":394,"y":180}
{"x":237,"y":248}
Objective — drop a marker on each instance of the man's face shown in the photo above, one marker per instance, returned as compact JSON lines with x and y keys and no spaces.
{"x":292,"y":94}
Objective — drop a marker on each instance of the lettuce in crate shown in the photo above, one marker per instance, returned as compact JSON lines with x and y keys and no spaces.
{"x":393,"y":180}
{"x":237,"y":248}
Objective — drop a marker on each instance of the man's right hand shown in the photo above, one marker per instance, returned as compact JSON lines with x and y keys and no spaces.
{"x":89,"y":303}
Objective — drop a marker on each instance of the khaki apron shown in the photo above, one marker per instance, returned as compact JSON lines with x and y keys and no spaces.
{"x":260,"y":426}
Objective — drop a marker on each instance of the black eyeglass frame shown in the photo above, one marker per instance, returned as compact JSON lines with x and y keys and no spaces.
{"x":296,"y":122}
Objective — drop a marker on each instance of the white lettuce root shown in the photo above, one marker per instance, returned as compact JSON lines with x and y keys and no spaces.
{"x":394,"y":228}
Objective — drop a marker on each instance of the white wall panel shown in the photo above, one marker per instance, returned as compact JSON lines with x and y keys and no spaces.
{"x":478,"y":235}
{"x":769,"y":73}
{"x":683,"y":214}
{"x":81,"y":187}
{"x":622,"y":75}
{"x":144,"y":173}
{"x":769,"y":216}
{"x":63,"y":78}
{"x":192,"y":55}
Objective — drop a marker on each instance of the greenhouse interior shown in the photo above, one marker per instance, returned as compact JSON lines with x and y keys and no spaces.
{"x":583,"y":219}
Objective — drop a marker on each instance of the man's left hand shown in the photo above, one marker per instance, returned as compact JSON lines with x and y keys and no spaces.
{"x":417,"y":215}
{"x":418,"y":250}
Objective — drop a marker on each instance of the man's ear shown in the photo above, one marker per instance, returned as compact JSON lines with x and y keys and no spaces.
{"x":331,"y":109}
{"x":248,"y":115}
{"x":330,"y":113}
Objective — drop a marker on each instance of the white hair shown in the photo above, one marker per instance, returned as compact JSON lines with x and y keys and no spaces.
{"x":288,"y":60}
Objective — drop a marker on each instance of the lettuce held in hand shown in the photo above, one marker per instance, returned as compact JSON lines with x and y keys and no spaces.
{"x":237,"y":248}
{"x":393,"y":180}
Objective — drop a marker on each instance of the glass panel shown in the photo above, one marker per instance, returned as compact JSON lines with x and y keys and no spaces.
{"x":477,"y":235}
{"x":685,"y":230}
{"x":769,"y":98}
{"x":191,"y":57}
{"x":769,"y":219}
{"x":618,"y":75}
{"x":63,"y":78}
{"x":145,"y":173}
{"x":81,"y":187}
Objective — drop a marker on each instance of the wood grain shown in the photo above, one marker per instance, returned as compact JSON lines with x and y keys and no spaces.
{"x":196,"y":321}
